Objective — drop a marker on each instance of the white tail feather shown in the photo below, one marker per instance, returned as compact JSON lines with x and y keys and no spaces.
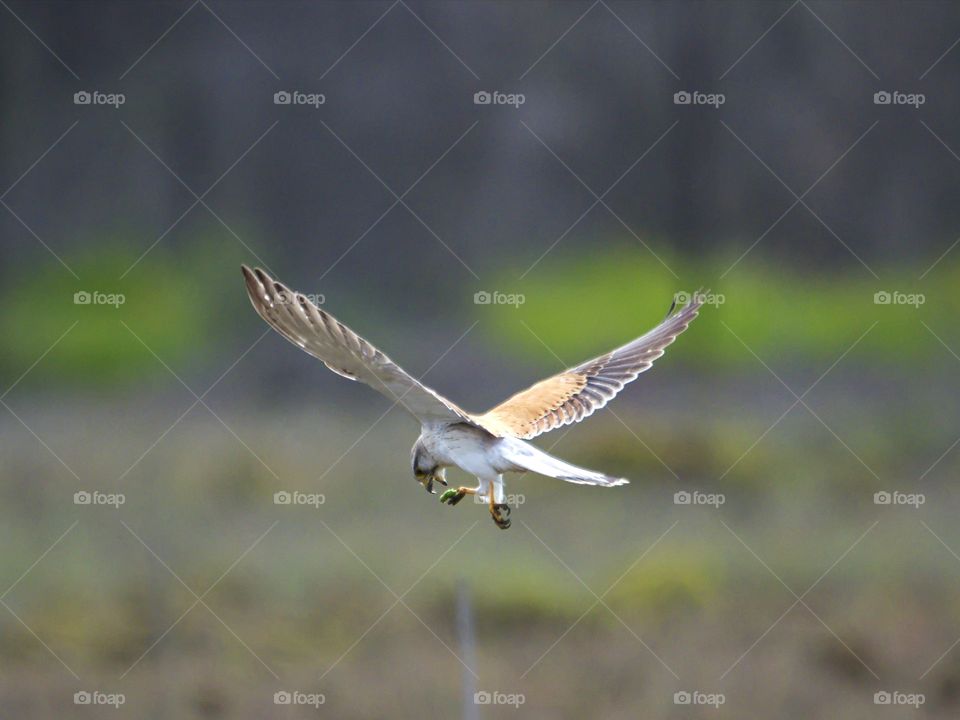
{"x":527,"y":457}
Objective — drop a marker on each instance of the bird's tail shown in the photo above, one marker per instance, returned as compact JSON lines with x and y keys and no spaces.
{"x":527,"y":457}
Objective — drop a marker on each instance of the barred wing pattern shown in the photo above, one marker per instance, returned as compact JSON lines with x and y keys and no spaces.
{"x":577,"y":393}
{"x":342,"y":350}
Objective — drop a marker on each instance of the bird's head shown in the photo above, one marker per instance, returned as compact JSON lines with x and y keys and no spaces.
{"x":426,"y":469}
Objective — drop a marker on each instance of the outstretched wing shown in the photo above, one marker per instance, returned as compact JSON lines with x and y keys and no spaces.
{"x":342,"y":350}
{"x":577,"y":393}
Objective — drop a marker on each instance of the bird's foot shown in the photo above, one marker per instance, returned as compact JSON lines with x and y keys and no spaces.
{"x":500,"y":513}
{"x":451,"y":497}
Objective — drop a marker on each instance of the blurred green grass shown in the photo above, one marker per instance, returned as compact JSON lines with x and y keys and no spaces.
{"x":168,"y":297}
{"x":580,"y":303}
{"x":574,"y":305}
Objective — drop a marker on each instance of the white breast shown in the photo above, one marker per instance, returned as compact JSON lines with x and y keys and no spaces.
{"x":470,"y":449}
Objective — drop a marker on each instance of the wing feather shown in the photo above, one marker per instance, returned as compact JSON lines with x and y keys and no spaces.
{"x":342,"y":350}
{"x":577,"y":393}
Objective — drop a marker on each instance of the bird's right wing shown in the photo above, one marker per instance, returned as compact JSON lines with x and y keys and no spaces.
{"x":578,"y":392}
{"x":339,"y":348}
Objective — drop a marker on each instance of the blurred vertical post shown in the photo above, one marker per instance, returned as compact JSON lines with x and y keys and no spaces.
{"x":465,"y":638}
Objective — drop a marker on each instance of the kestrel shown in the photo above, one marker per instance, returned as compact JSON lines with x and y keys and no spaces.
{"x":486,"y":445}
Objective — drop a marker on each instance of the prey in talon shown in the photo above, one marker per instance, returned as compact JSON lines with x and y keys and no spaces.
{"x":427,"y":480}
{"x":486,"y":445}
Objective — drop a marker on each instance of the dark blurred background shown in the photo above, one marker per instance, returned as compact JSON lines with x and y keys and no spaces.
{"x":148,"y":149}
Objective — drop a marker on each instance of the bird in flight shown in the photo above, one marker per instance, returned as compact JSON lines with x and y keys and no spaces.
{"x":485,"y":445}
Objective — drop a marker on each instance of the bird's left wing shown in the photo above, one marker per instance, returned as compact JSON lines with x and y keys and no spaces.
{"x":578,"y":392}
{"x":339,"y":348}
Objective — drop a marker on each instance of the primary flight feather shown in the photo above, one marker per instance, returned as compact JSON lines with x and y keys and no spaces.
{"x":485,"y":445}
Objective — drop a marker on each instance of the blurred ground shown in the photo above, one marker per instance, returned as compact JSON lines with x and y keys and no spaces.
{"x":701,"y":588}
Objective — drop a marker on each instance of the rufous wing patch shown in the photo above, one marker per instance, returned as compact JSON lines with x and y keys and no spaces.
{"x":573,"y":395}
{"x":540,"y":404}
